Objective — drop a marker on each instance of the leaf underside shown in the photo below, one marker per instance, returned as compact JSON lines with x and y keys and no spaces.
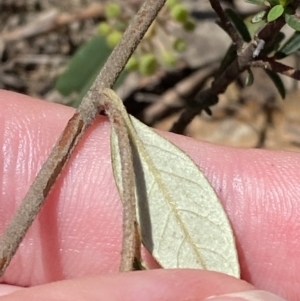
{"x":182,"y":221}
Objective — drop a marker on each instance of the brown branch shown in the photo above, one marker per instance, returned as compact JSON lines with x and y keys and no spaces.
{"x":176,"y":98}
{"x":226,"y":23}
{"x":91,"y":105}
{"x":244,"y":59}
{"x":277,"y":67}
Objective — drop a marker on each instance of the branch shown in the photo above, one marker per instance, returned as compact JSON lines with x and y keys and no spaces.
{"x":226,"y":24}
{"x":118,"y":126}
{"x":176,"y":97}
{"x":277,"y":67}
{"x":243,"y":61}
{"x":91,"y":105}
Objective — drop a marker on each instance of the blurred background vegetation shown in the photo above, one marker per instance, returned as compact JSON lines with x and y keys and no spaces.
{"x":53,"y":50}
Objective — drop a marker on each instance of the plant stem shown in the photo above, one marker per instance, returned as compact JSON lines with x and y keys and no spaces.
{"x":131,"y":243}
{"x":272,"y":65}
{"x":91,"y":105}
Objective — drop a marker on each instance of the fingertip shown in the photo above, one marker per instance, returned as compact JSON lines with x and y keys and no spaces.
{"x":259,"y":190}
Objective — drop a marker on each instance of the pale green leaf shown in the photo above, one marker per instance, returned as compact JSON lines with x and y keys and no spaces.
{"x":290,"y":46}
{"x":254,"y":27}
{"x":259,"y":17}
{"x":275,"y":12}
{"x":292,"y":20}
{"x":182,"y":220}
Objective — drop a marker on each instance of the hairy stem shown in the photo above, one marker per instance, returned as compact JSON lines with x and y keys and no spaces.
{"x":131,"y":243}
{"x":91,"y":105}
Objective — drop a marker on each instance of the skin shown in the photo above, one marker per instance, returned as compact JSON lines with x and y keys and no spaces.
{"x":72,"y":250}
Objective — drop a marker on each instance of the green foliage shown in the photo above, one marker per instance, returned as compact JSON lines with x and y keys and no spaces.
{"x":189,"y":25}
{"x":169,"y":58}
{"x":275,"y":12}
{"x":276,"y":9}
{"x":166,"y":55}
{"x":273,"y":9}
{"x":291,"y":45}
{"x":179,"y":13}
{"x":292,"y":20}
{"x":89,"y":59}
{"x":259,"y":17}
{"x":254,"y":27}
{"x":148,"y":64}
{"x":179,"y":45}
{"x":113,"y":38}
{"x":83,"y":68}
{"x":285,"y":2}
{"x":112,"y":10}
{"x":104,"y":28}
{"x":277,"y":82}
{"x":171,"y":3}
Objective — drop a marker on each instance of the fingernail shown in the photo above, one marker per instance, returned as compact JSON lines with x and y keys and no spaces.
{"x":247,"y":296}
